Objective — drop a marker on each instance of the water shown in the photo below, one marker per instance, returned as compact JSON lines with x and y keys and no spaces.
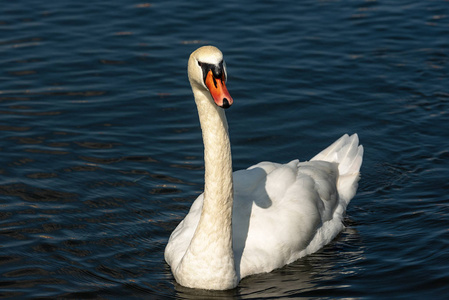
{"x":101,"y":152}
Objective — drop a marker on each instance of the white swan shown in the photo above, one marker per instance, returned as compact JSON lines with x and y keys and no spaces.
{"x":255,"y":220}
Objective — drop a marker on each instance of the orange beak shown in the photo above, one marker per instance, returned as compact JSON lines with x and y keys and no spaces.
{"x":218,"y":90}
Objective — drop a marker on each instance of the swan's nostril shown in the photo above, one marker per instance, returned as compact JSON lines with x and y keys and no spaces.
{"x":225,"y":103}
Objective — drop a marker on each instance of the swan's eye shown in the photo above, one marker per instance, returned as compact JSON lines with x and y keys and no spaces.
{"x":217,"y":70}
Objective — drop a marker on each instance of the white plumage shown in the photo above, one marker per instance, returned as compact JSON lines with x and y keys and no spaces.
{"x":262,"y":218}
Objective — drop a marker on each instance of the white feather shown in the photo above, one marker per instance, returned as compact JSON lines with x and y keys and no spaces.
{"x":280,"y":212}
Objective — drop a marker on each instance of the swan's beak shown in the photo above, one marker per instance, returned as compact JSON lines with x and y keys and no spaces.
{"x":218,"y":90}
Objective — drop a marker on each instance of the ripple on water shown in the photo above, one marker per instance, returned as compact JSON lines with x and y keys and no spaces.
{"x":102,"y":155}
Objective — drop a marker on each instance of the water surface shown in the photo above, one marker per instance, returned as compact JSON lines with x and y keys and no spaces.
{"x":101,"y":152}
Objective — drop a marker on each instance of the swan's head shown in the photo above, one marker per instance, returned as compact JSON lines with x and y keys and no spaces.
{"x":207,"y":71}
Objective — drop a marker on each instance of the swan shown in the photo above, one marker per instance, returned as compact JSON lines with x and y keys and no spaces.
{"x":262,"y":218}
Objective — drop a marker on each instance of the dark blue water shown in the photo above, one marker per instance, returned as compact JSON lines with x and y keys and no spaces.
{"x":101,"y":152}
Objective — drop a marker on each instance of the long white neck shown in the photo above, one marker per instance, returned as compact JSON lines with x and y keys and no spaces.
{"x":209,"y":260}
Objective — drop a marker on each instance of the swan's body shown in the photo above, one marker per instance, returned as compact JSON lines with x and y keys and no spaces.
{"x":255,"y":220}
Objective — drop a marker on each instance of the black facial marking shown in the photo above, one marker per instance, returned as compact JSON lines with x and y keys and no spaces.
{"x":217,"y":70}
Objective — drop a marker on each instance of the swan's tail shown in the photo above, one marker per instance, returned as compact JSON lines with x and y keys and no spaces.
{"x":347,"y":152}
